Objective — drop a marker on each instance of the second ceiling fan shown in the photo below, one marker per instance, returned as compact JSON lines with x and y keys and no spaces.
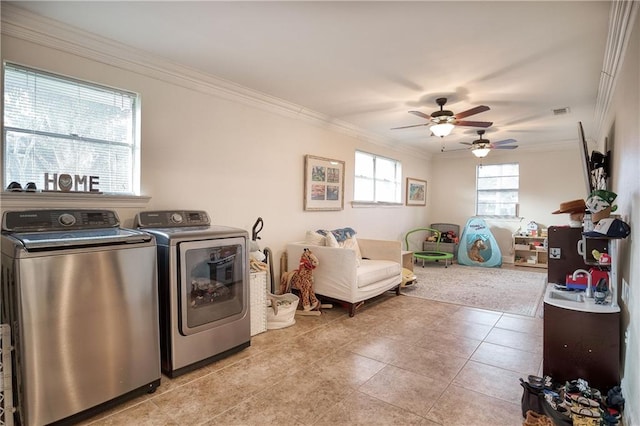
{"x":481,"y":147}
{"x":443,"y":121}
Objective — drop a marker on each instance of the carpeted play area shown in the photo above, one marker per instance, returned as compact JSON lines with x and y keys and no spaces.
{"x":499,"y":289}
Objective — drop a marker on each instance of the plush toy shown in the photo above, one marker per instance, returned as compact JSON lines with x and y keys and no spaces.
{"x":474,"y":251}
{"x":302,"y":279}
{"x":448,"y":237}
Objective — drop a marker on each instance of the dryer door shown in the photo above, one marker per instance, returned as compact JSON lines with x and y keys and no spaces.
{"x":213,"y":283}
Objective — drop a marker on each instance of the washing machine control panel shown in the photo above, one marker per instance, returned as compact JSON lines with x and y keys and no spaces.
{"x":56,"y":219}
{"x":171,"y":219}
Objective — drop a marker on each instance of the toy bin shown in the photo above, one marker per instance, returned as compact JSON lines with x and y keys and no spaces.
{"x":281,"y":310}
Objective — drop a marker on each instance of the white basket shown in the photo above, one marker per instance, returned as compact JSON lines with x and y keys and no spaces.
{"x":258,"y":302}
{"x":286,"y":306}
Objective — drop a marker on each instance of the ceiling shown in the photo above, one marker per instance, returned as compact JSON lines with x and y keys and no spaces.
{"x":368,"y":63}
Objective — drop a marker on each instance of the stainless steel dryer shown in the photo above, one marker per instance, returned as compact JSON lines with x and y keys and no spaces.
{"x":203,"y":285}
{"x":80,"y":294}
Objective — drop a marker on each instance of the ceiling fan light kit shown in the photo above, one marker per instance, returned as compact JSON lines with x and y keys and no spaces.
{"x":480,"y":152}
{"x":442,"y":129}
{"x":443,"y":121}
{"x":481,"y":147}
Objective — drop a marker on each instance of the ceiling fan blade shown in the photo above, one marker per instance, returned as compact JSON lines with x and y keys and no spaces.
{"x":474,"y":123}
{"x":406,"y":127}
{"x":466,"y":143}
{"x":503,"y":142}
{"x":420,"y":114}
{"x":504,"y":147}
{"x":472,"y":111}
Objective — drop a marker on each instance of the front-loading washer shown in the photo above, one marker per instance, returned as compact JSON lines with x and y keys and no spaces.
{"x":203,"y":288}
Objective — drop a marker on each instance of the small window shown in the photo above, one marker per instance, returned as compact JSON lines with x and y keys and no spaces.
{"x":56,"y":125}
{"x":377,"y":179}
{"x":497,"y":190}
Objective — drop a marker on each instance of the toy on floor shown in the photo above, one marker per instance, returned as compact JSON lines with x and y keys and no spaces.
{"x":434,"y":255}
{"x":301,"y":279}
{"x":478,"y":246}
{"x":408,"y":277}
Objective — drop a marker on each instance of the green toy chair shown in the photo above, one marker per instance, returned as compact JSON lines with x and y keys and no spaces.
{"x":435,"y":255}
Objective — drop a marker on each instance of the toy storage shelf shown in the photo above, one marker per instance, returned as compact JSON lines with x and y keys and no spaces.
{"x":530,"y":251}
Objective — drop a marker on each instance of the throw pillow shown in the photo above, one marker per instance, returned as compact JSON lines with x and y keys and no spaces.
{"x":331,"y":241}
{"x":342,"y":234}
{"x":352,"y":244}
{"x":314,"y":238}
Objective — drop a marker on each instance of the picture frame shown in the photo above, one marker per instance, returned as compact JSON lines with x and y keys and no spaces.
{"x":323,"y":183}
{"x":416,"y":192}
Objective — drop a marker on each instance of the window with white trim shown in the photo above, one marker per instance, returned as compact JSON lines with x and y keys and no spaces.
{"x":497,"y":190}
{"x":56,"y":125}
{"x":377,"y":179}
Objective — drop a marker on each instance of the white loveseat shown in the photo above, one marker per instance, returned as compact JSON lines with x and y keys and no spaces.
{"x":341,"y":275}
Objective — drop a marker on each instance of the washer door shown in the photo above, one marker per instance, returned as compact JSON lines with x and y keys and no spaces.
{"x":213,"y":279}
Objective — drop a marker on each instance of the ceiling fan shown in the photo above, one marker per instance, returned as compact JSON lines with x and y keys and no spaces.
{"x":443,"y":121}
{"x":481,"y":147}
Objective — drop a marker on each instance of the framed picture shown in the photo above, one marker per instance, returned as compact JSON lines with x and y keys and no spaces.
{"x":323,"y":183}
{"x":416,"y":192}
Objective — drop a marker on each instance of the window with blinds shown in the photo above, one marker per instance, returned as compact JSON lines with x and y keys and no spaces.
{"x":57,"y":125}
{"x":377,"y":179}
{"x":497,"y":190}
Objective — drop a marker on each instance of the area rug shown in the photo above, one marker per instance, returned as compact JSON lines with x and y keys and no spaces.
{"x":499,"y":289}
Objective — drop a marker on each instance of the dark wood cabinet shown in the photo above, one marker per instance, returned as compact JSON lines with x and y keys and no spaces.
{"x":563,"y":256}
{"x":582,"y":345}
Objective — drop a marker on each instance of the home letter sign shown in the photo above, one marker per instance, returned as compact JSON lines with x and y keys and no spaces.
{"x":65,"y":182}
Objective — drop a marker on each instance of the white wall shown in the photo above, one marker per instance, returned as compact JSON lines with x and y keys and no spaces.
{"x":623,"y":131}
{"x":546,"y":180}
{"x":234,"y":160}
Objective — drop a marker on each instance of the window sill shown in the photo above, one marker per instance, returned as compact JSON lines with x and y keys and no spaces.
{"x":503,"y":218}
{"x":57,"y":199}
{"x":366,"y":204}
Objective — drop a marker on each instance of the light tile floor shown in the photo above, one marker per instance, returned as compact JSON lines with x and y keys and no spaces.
{"x":401,"y":360}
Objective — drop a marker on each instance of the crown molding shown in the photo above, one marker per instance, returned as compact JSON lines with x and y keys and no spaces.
{"x":622,"y":17}
{"x":25,"y":25}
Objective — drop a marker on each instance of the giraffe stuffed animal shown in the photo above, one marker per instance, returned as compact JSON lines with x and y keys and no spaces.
{"x":302,"y":279}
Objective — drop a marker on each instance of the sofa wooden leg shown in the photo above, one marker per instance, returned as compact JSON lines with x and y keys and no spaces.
{"x":353,"y":307}
{"x":398,"y":290}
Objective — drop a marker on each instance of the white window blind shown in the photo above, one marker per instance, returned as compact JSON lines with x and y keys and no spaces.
{"x":60,"y":125}
{"x":497,"y":190}
{"x":377,"y":179}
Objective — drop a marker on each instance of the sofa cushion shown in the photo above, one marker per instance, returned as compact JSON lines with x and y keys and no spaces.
{"x":372,"y":271}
